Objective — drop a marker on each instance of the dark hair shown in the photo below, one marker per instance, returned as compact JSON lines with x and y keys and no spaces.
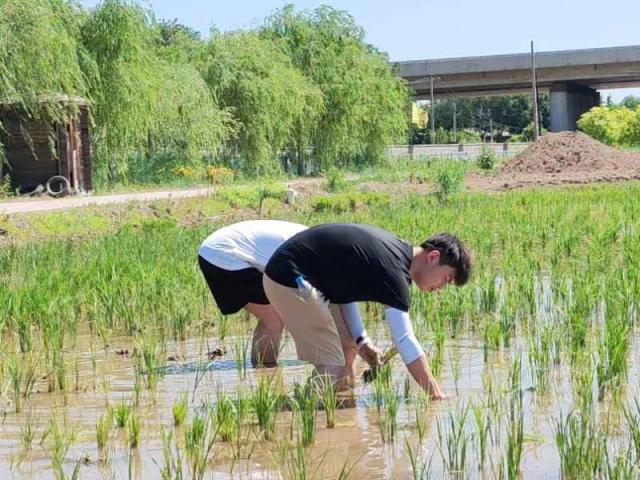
{"x":453,"y":253}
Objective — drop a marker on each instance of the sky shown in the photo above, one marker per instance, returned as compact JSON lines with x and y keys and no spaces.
{"x":412,"y":29}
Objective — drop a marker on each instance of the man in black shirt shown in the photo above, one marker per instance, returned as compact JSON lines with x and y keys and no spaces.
{"x":313,"y":279}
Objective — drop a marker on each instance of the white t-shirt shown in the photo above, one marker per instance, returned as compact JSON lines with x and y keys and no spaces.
{"x":247,"y":244}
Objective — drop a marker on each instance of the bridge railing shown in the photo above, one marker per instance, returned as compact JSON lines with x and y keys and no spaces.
{"x":461,"y":151}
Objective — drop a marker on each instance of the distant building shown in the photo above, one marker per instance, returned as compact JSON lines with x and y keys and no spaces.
{"x":38,"y":150}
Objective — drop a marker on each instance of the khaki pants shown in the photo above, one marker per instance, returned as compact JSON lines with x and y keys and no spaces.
{"x":317,"y":327}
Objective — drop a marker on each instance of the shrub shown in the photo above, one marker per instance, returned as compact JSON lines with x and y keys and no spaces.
{"x":449,"y":179}
{"x":487,"y":158}
{"x":335,"y":180}
{"x":610,"y":125}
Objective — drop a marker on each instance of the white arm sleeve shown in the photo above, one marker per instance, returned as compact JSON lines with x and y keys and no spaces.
{"x":351,"y":315}
{"x":402,"y":335}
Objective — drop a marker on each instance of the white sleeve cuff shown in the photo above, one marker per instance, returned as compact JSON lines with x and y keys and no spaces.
{"x":402,"y":334}
{"x":351,"y":315}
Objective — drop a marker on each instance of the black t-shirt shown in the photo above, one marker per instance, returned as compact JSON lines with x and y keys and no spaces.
{"x":347,"y":263}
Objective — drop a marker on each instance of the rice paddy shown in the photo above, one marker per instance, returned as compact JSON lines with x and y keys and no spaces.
{"x":107,"y":371}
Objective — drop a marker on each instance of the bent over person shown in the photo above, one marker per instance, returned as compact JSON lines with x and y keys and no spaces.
{"x":232,"y":260}
{"x":313,"y":275}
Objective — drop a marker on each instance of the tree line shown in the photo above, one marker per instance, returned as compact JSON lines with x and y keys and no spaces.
{"x":303,"y":91}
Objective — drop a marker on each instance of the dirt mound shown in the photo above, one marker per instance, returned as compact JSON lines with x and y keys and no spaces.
{"x":571,"y":152}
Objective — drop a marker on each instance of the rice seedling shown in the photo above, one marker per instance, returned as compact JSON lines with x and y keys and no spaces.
{"x":420,"y":405}
{"x":133,"y":430}
{"x":122,"y":412}
{"x":620,"y":466}
{"x":453,"y":442}
{"x":199,"y":438}
{"x":329,"y":398}
{"x":420,"y":466}
{"x":225,"y":415}
{"x":28,"y":432}
{"x":22,"y":373}
{"x":266,"y":402}
{"x":580,"y":446}
{"x":150,"y":354}
{"x":241,"y":348}
{"x":612,"y":353}
{"x":515,"y":436}
{"x":242,"y":406}
{"x":632,"y":418}
{"x":305,"y":407}
{"x":180,"y":410}
{"x":482,"y":423}
{"x":104,"y":426}
{"x":388,"y":417}
{"x":61,"y":439}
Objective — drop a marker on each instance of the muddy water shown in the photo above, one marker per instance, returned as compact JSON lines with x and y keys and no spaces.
{"x":355,"y":439}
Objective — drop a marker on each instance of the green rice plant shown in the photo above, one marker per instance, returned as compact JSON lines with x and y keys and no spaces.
{"x":199,"y":438}
{"x":225,"y":415}
{"x":294,"y":462}
{"x":612,"y":353}
{"x":631,"y":414}
{"x":22,"y":374}
{"x":381,"y":384}
{"x":583,"y":386}
{"x":329,"y":398}
{"x":540,"y":356}
{"x":61,"y":439}
{"x":242,"y":406}
{"x":28,"y":431}
{"x":388,"y":417}
{"x":150,"y":355}
{"x":515,"y":435}
{"x":580,"y":446}
{"x":266,"y":402}
{"x":104,"y":426}
{"x":180,"y":410}
{"x":241,"y":348}
{"x":420,"y":466}
{"x":133,"y":430}
{"x":453,"y":442}
{"x":122,"y":412}
{"x":420,"y":405}
{"x":482,"y":423}
{"x":305,"y":407}
{"x":621,"y":466}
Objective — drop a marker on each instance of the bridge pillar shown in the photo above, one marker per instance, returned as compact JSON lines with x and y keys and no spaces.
{"x":568,"y":102}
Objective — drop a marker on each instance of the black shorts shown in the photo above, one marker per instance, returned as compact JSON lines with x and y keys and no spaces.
{"x":233,"y":289}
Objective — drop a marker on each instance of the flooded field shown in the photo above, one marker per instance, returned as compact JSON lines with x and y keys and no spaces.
{"x":115,"y":364}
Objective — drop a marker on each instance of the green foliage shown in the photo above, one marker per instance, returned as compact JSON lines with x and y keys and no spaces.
{"x":610,"y":125}
{"x":364,"y":105}
{"x":274,"y":104}
{"x":449,"y":179}
{"x":487,"y":158}
{"x":335,"y":180}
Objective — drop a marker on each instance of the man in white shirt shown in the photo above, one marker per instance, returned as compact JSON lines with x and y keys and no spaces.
{"x":232,"y":260}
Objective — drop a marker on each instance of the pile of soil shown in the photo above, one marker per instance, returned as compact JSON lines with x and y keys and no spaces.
{"x":561,"y":159}
{"x":568,"y":152}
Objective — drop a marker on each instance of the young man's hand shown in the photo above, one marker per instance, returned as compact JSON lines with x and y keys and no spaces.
{"x":370,"y":353}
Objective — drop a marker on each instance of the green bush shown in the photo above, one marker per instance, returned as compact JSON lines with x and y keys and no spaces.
{"x":335,"y":180}
{"x":449,"y":179}
{"x":487,"y":158}
{"x":610,"y":125}
{"x":348,"y":202}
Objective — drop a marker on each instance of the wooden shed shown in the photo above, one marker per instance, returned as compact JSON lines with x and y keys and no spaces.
{"x":37,"y":150}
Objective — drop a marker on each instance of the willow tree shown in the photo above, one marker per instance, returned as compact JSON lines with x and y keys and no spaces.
{"x":273,"y":103}
{"x":151,"y":106}
{"x":39,"y":59}
{"x":365,"y":102}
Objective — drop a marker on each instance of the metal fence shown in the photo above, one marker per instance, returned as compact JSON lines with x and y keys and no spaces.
{"x":459,"y":151}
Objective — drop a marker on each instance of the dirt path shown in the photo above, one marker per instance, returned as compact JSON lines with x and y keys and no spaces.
{"x":49,"y":204}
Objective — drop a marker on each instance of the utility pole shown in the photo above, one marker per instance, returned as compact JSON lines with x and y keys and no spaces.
{"x":536,"y":115}
{"x":455,"y":125}
{"x":433,"y":115}
{"x":490,"y":130}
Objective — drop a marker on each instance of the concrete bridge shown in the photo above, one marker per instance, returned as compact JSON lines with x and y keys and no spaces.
{"x":571,"y":77}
